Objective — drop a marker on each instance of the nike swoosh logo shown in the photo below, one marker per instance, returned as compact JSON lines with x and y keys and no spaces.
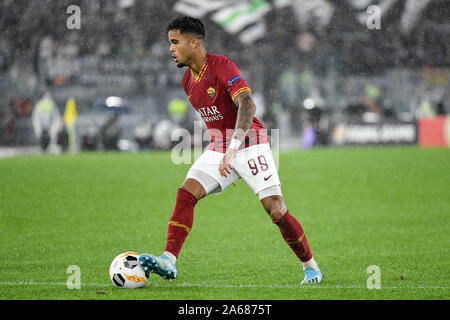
{"x":265,"y":179}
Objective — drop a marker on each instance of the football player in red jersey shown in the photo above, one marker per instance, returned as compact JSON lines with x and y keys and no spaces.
{"x":239,"y":149}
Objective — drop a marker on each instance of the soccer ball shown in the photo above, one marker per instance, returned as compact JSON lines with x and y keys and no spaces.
{"x":125,"y":271}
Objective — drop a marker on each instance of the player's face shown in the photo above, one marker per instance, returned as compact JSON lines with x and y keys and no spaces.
{"x":180,"y":47}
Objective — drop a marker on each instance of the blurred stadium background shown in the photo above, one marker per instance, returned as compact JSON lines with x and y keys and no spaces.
{"x":322,"y":71}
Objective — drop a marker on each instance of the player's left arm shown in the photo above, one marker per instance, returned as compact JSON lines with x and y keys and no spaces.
{"x":246,"y":112}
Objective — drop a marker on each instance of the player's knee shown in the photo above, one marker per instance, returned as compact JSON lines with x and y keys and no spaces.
{"x":274,"y":206}
{"x":276,"y":213}
{"x":194,"y":187}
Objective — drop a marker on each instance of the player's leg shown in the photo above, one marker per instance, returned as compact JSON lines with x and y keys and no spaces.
{"x":291,"y":231}
{"x":202,"y":179}
{"x":257,"y":168}
{"x":182,"y":219}
{"x":194,"y":187}
{"x":179,"y":226}
{"x":197,"y":185}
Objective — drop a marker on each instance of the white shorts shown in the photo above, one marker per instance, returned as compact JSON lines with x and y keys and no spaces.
{"x":255,"y":165}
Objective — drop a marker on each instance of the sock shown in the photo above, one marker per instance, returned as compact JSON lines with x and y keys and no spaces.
{"x":293,"y":234}
{"x":310,"y":264}
{"x":180,"y":223}
{"x":171,"y":257}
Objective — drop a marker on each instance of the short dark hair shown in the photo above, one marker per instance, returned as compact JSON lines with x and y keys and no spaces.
{"x":188,"y":24}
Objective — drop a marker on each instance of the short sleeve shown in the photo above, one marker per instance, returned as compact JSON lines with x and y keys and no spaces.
{"x":232,"y":79}
{"x":184,"y":81}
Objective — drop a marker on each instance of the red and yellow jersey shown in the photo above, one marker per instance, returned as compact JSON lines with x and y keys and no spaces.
{"x":212,"y":94}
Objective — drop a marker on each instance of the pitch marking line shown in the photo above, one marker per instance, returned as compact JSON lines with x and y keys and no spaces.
{"x":206,"y":285}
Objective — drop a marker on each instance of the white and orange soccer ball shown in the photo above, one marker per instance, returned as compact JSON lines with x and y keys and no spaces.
{"x":126,"y":272}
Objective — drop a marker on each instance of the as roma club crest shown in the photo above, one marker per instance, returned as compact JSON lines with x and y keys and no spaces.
{"x":211,"y":92}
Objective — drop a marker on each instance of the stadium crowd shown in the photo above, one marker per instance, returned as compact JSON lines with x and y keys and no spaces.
{"x":121,"y":45}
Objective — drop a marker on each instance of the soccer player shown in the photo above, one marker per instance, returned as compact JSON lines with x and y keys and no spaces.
{"x":239,"y":148}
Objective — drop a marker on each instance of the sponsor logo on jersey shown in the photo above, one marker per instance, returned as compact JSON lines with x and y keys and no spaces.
{"x":211,"y":92}
{"x":233,"y":80}
{"x":209,"y":114}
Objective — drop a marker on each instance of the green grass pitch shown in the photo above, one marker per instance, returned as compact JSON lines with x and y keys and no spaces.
{"x":388,"y":207}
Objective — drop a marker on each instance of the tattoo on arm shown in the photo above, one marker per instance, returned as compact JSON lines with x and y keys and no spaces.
{"x":246,"y":112}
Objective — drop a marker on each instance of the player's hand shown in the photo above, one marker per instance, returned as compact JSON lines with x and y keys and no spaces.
{"x":225,"y":164}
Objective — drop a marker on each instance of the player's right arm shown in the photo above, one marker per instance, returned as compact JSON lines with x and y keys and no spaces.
{"x":246,"y":112}
{"x":245,"y":115}
{"x":240,"y":93}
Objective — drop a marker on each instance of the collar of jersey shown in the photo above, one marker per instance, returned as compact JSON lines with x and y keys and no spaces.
{"x":202,"y":71}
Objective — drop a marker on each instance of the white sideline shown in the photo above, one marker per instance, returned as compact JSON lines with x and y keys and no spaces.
{"x":206,"y":285}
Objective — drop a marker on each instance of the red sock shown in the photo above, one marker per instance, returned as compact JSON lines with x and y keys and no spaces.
{"x":180,"y":223}
{"x":293,"y":234}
